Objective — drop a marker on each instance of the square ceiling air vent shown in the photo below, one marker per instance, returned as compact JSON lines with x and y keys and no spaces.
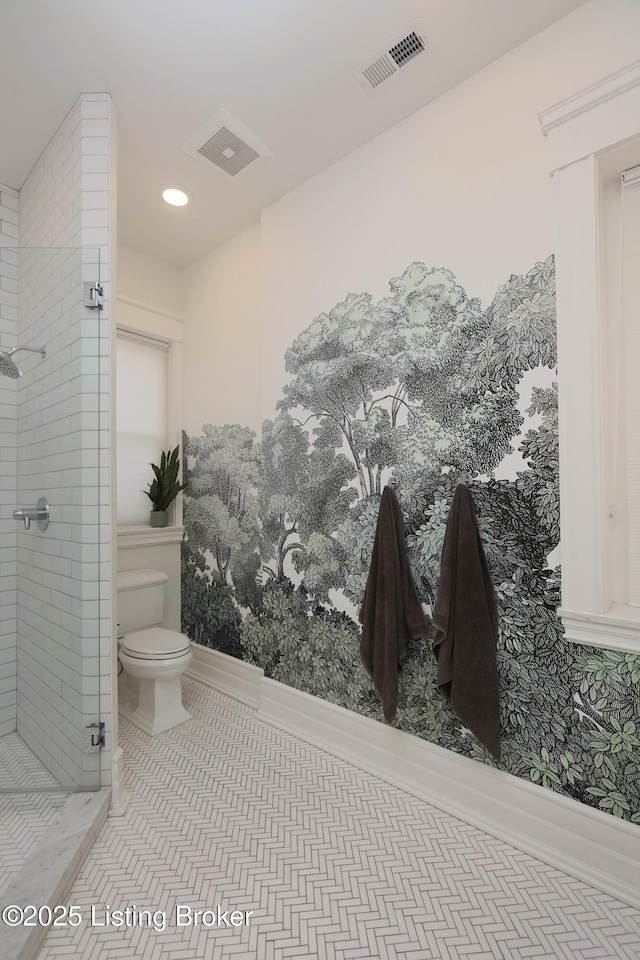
{"x":396,"y":54}
{"x":226,"y":144}
{"x":228,"y":152}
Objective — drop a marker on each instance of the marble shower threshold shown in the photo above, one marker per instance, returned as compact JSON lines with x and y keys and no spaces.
{"x":49,"y":871}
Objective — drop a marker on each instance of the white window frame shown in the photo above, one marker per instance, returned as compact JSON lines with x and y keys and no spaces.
{"x":581,"y":131}
{"x":147,"y":320}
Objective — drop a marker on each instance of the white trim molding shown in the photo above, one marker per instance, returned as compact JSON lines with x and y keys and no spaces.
{"x":119,"y":795}
{"x":592,"y":96}
{"x":145,"y":536}
{"x":586,"y":843}
{"x":618,"y":629}
{"x":582,"y":132}
{"x":151,"y":308}
{"x":594,"y":119}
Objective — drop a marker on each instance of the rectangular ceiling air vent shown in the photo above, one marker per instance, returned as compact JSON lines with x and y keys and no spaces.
{"x":224,"y":142}
{"x":407,"y":48}
{"x":397,"y":53}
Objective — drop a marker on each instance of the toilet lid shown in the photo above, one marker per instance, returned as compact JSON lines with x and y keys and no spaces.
{"x":155,"y":644}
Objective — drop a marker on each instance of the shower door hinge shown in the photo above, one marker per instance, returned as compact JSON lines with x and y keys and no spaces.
{"x":92,"y":295}
{"x":96,"y":736}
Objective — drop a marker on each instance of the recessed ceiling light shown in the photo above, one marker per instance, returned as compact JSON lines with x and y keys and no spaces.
{"x":177,"y":198}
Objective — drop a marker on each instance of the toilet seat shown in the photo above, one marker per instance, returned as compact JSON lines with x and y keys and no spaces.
{"x":155,"y":644}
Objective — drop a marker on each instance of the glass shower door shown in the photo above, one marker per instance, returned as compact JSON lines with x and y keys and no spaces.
{"x":50,"y":582}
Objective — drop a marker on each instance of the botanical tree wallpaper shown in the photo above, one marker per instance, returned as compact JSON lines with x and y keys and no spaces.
{"x":423,"y":387}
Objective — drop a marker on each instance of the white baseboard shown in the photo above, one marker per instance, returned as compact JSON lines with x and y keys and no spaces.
{"x":234,"y":677}
{"x":585,"y":843}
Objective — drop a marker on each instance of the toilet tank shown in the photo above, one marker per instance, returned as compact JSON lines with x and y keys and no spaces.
{"x":140,"y":599}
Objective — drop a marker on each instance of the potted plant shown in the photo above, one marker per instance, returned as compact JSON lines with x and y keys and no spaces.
{"x":164,"y":488}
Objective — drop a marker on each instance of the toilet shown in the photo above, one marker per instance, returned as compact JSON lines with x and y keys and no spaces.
{"x":153,"y":659}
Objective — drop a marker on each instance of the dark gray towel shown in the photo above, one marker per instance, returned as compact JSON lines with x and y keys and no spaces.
{"x":466,"y":622}
{"x":391,"y":613}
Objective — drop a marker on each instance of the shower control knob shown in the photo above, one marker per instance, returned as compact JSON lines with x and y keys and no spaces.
{"x":39,"y":513}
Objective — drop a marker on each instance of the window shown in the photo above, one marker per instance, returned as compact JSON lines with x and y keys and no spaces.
{"x":142,"y":416}
{"x":629,"y":366}
{"x":619,"y":218}
{"x":594,"y":136}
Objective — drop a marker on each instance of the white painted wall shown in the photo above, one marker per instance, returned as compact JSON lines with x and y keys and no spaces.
{"x":63,"y":615}
{"x":222,"y":336}
{"x":144,"y":279}
{"x":8,"y":457}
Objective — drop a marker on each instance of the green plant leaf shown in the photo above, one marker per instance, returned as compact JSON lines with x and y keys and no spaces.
{"x":165,"y":487}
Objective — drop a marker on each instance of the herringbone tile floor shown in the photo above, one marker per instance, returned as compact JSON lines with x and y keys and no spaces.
{"x":334,"y":863}
{"x":19,"y":766}
{"x":24,"y":817}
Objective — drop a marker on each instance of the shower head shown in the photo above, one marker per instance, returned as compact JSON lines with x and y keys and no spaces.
{"x":8,"y":368}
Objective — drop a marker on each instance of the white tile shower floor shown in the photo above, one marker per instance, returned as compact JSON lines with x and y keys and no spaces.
{"x":24,"y":817}
{"x":334,"y":863}
{"x":20,"y":768}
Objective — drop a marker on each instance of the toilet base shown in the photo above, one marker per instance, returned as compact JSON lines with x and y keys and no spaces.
{"x":159,"y":706}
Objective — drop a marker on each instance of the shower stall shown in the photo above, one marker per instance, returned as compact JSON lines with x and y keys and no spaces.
{"x":51,"y":728}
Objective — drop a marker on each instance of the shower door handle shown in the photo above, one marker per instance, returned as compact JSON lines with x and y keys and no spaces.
{"x":39,"y":513}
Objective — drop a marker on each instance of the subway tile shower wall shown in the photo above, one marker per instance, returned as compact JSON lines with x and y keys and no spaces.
{"x":62,"y":453}
{"x":8,"y":458}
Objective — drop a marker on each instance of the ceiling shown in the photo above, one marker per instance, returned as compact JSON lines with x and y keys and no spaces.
{"x":281,"y":67}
